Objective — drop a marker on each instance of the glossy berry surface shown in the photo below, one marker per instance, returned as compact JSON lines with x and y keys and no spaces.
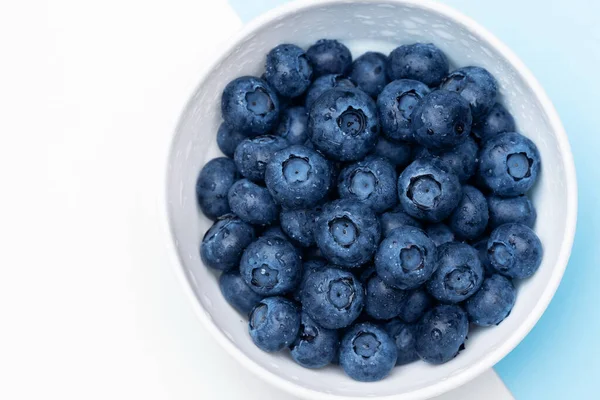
{"x":224,"y":242}
{"x":315,"y":346}
{"x":329,"y":57}
{"x":504,"y":210}
{"x":252,"y":155}
{"x":423,"y":62}
{"x":497,"y":120}
{"x":237,"y":293}
{"x":323,"y":84}
{"x":228,"y":140}
{"x":396,"y":218}
{"x":470,"y":218}
{"x":404,"y":336}
{"x":274,"y":324}
{"x":476,"y":85}
{"x":293,"y":125}
{"x":368,"y":71}
{"x":441,"y":333}
{"x":493,"y":302}
{"x":252,"y":203}
{"x":249,"y":105}
{"x":381,"y":300}
{"x":288,"y":70}
{"x":213,"y":184}
{"x":514,"y":250}
{"x":298,"y":225}
{"x":367,"y":353}
{"x":271,"y":266}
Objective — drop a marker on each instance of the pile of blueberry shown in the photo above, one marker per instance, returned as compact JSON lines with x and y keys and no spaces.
{"x":367,"y":212}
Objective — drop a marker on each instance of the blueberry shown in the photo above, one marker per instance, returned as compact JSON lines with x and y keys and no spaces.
{"x":249,"y":105}
{"x":343,"y":124}
{"x":298,"y":177}
{"x":308,"y":268}
{"x":441,"y":333}
{"x":275,"y":231}
{"x":368,"y":71}
{"x":396,"y":218}
{"x":228,"y":139}
{"x":395,"y":105}
{"x":514,"y":250}
{"x":463,"y":158}
{"x":372,"y":182}
{"x":329,"y":57}
{"x":347,"y":233}
{"x":423,"y":62}
{"x":367,"y":353}
{"x":293,"y":125}
{"x":406,"y":258}
{"x":429,"y":190}
{"x":458,"y":274}
{"x":332,"y":297}
{"x":470,"y":218}
{"x":212,"y":186}
{"x":252,"y":203}
{"x":497,"y":120}
{"x":298,"y":225}
{"x":274,"y":324}
{"x":323,"y":84}
{"x":481,"y":247}
{"x":287,"y":70}
{"x":440,"y":233}
{"x":237,"y":293}
{"x":415,"y":304}
{"x":493,"y":302}
{"x":404,"y":336}
{"x":397,"y":153}
{"x":509,"y":164}
{"x":381,"y":301}
{"x":511,"y":209}
{"x":271,"y":266}
{"x":476,"y":85}
{"x":441,"y":120}
{"x":315,"y":346}
{"x":224,"y":242}
{"x":253,"y":154}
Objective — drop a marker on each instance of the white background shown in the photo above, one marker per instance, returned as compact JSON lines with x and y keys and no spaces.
{"x":90,"y":307}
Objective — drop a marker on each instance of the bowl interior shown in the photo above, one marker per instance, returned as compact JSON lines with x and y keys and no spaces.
{"x":362,"y":26}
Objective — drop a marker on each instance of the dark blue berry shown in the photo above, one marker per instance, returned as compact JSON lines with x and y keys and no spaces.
{"x":315,"y":346}
{"x":298,"y":225}
{"x":368,"y":71}
{"x":423,"y":62}
{"x":504,"y":210}
{"x":396,"y":218}
{"x":476,"y":85}
{"x":288,"y":70}
{"x":441,"y":333}
{"x":212,"y":186}
{"x":470,"y":218}
{"x":463,"y":159}
{"x":224,"y":242}
{"x":323,"y":84}
{"x":293,"y":125}
{"x":397,"y":153}
{"x":514,"y":250}
{"x":329,"y":57}
{"x":252,"y":203}
{"x":493,"y":302}
{"x":382,"y":301}
{"x":439,"y":233}
{"x":274,"y":324}
{"x":253,"y":154}
{"x":404,"y":336}
{"x":249,"y":105}
{"x":237,"y":292}
{"x":497,"y":120}
{"x":228,"y":140}
{"x":415,"y":304}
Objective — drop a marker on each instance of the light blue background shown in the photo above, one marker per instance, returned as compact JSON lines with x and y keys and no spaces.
{"x":559,"y":40}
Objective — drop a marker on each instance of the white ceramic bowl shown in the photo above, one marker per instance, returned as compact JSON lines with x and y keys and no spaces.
{"x":381,"y":25}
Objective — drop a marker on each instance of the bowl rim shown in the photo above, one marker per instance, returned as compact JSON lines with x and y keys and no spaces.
{"x":490,"y":359}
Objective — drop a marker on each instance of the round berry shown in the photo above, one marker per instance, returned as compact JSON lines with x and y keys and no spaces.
{"x":274,"y":324}
{"x":415,"y":304}
{"x":237,"y":293}
{"x":497,"y":120}
{"x":224,"y":242}
{"x":470,"y":218}
{"x":253,"y":154}
{"x":252,"y":203}
{"x":423,"y":62}
{"x":381,"y":301}
{"x":493,"y":302}
{"x":404,"y":336}
{"x":288,"y":70}
{"x":329,"y":57}
{"x":323,"y":84}
{"x":441,"y":333}
{"x":228,"y":140}
{"x":396,"y":218}
{"x":368,"y":71}
{"x":463,"y":158}
{"x":439,"y":233}
{"x":316,"y":346}
{"x":397,"y":153}
{"x":514,"y":250}
{"x":504,"y":210}
{"x":476,"y":85}
{"x":298,"y":225}
{"x":293,"y":125}
{"x":212,"y":186}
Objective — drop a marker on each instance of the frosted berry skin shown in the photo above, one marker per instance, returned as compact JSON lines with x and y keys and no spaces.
{"x":415,"y":304}
{"x":429,"y":190}
{"x":440,"y":233}
{"x":509,"y":164}
{"x":514,"y":250}
{"x":406,"y":258}
{"x":442,"y":120}
{"x":250,"y":106}
{"x":323,"y":84}
{"x":293,"y":125}
{"x":213,"y":184}
{"x":298,"y":225}
{"x":476,"y":85}
{"x":397,"y":153}
{"x":404,"y":336}
{"x":298,"y":177}
{"x":274,"y":324}
{"x":423,"y":62}
{"x":343,"y":124}
{"x":237,"y":293}
{"x":271,"y":266}
{"x":463,"y":158}
{"x":224,"y":242}
{"x":368,"y":71}
{"x":367,"y":353}
{"x":458,"y":273}
{"x":329,"y":57}
{"x":493,"y":302}
{"x":497,"y":120}
{"x":288,"y":70}
{"x":381,"y":300}
{"x":396,"y":218}
{"x":504,"y":210}
{"x":315,"y":346}
{"x":347,"y":233}
{"x":395,"y":105}
{"x":308,"y":267}
{"x":252,"y":203}
{"x":372,"y":182}
{"x":470,"y":218}
{"x":441,"y":333}
{"x":252,"y":155}
{"x":228,"y":140}
{"x":332,"y":297}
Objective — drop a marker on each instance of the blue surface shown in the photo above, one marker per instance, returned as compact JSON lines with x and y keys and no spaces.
{"x":560,"y":42}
